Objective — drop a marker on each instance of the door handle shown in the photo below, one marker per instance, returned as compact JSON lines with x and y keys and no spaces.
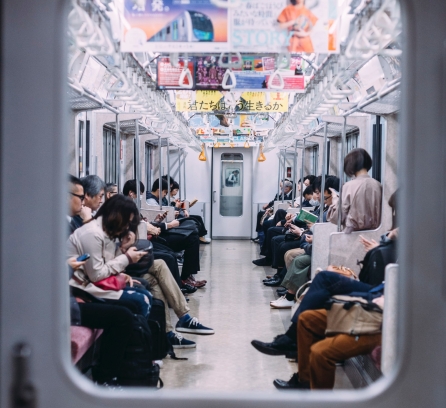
{"x":214,"y":197}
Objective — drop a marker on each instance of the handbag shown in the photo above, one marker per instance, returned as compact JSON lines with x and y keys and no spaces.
{"x":114,"y":282}
{"x":299,"y":296}
{"x":142,"y":266}
{"x":352,"y":315}
{"x":266,"y":215}
{"x":343,"y":270}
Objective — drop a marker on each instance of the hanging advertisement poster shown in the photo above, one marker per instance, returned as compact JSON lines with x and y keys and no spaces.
{"x":212,"y":101}
{"x":168,"y":76}
{"x":296,"y":25}
{"x":175,"y":26}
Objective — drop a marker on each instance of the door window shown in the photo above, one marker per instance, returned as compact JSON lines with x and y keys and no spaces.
{"x":231,"y":188}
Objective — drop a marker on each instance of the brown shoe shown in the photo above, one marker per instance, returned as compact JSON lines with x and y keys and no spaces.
{"x":193,"y":282}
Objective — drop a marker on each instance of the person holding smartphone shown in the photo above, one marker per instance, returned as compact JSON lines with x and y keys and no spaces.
{"x":361,"y":197}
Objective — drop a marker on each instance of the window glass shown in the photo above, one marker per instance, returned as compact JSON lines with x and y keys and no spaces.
{"x":231,"y":190}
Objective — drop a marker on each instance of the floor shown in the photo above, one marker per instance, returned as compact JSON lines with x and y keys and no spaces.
{"x":235,"y":304}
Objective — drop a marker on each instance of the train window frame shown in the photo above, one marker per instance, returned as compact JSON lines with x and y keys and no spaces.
{"x":36,"y":282}
{"x":110,"y":152}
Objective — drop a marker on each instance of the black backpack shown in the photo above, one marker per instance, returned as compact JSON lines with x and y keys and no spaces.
{"x":374,"y":264}
{"x":157,"y":324}
{"x":137,"y":368}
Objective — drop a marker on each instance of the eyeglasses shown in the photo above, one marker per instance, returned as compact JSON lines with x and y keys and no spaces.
{"x":82,"y":197}
{"x":326,"y":197}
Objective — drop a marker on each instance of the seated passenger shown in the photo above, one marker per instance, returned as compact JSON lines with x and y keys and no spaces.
{"x":94,"y":189}
{"x":324,"y":285}
{"x":110,"y":190}
{"x":318,"y":355}
{"x":361,"y":197}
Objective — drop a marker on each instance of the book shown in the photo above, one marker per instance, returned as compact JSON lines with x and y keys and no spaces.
{"x":193,"y":202}
{"x":307,"y":216}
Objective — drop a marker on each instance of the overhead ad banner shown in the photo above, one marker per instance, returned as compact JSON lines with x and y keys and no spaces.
{"x":247,"y":26}
{"x":214,"y":101}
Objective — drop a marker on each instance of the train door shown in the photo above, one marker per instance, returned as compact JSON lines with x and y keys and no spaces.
{"x":231,"y":193}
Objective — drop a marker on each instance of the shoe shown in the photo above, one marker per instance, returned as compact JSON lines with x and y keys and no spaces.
{"x":187,"y":289}
{"x":193,"y":326}
{"x":180,"y":261}
{"x":273,"y":282}
{"x":177,"y":341}
{"x":282,"y":303}
{"x":269,"y":277}
{"x":159,"y":362}
{"x":292,"y":384}
{"x":203,"y":240}
{"x":195,"y":284}
{"x":192,"y":278}
{"x":281,"y":291}
{"x":282,"y":345}
{"x":262,"y":262}
{"x":256,"y":239}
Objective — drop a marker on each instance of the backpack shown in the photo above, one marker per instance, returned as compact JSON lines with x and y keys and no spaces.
{"x":374,"y":264}
{"x":157,"y":324}
{"x":137,"y":367}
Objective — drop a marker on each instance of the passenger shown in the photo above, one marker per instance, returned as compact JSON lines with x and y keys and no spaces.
{"x":307,"y":196}
{"x":110,"y":190}
{"x":94,"y":189}
{"x":201,"y":228}
{"x":180,"y":238}
{"x":116,"y":321}
{"x":325,"y":285}
{"x":115,"y":222}
{"x":318,"y":355}
{"x":361,"y":197}
{"x":160,"y":251}
{"x":153,"y":196}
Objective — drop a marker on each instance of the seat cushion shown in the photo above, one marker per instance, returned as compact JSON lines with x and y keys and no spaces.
{"x":82,"y":338}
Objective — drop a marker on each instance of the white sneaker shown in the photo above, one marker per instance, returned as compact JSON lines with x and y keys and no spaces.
{"x":160,"y":363}
{"x":282,"y":303}
{"x":203,"y":240}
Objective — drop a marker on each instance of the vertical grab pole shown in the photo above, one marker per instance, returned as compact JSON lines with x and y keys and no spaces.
{"x":184,"y":174}
{"x":138,"y":167}
{"x":295,"y":173}
{"x":168,"y":171}
{"x":278,"y":176}
{"x":302,"y":174}
{"x":160,"y":182}
{"x":341,"y":172}
{"x":118,"y":152}
{"x":284,"y":175}
{"x":324,"y":170}
{"x":179,"y":169}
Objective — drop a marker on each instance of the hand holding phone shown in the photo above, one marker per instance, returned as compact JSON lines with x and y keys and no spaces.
{"x":83,"y":258}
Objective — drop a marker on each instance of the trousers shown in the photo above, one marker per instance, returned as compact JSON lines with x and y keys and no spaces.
{"x":163,"y":252}
{"x":297,"y":273}
{"x":279,"y":247}
{"x":202,"y":231}
{"x":164,"y":287}
{"x":117,"y":323}
{"x":270,"y":233}
{"x":317,"y":355}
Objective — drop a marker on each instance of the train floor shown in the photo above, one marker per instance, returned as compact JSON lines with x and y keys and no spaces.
{"x":235,"y":304}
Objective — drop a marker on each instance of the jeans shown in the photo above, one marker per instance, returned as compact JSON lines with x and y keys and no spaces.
{"x":324,"y":286}
{"x":141,"y":298}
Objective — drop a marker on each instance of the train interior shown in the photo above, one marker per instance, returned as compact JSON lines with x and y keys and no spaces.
{"x":142,"y":115}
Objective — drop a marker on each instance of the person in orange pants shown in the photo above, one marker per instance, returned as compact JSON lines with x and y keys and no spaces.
{"x":318,"y":355}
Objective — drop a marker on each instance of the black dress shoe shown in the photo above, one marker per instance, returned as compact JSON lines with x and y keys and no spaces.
{"x":262,"y":262}
{"x":268,"y":279}
{"x":273,"y":282}
{"x":282,"y":345}
{"x":292,"y":384}
{"x":186,"y":289}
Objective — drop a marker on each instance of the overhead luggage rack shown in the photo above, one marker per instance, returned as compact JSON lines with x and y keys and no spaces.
{"x":333,"y":130}
{"x":385,"y":106}
{"x":128,"y":127}
{"x":79,"y":102}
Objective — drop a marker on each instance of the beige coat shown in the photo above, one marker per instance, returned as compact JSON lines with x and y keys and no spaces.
{"x":106,"y":258}
{"x":361,"y":205}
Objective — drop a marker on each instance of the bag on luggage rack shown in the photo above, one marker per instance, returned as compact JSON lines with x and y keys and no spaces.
{"x":352,"y":315}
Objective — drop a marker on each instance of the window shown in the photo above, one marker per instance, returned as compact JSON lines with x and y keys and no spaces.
{"x":314,"y":158}
{"x":110,"y":156}
{"x":231,"y":189}
{"x":351,"y":142}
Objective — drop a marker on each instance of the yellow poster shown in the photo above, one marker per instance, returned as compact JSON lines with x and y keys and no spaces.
{"x":210,"y":101}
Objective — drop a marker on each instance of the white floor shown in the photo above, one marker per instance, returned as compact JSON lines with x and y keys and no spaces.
{"x":235,"y":304}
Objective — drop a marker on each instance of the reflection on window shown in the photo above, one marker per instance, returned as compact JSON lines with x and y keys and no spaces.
{"x":231,"y":191}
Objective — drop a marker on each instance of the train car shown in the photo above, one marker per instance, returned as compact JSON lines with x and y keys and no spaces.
{"x":298,"y":264}
{"x":186,"y":27}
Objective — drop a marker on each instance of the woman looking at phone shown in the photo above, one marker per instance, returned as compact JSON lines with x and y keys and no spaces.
{"x":109,"y":237}
{"x":361,"y":197}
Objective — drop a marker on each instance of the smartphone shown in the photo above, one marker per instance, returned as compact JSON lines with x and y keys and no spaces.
{"x":144,"y":249}
{"x":83,"y":257}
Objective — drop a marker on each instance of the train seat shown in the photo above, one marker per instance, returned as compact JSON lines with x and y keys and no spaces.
{"x":82,"y":338}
